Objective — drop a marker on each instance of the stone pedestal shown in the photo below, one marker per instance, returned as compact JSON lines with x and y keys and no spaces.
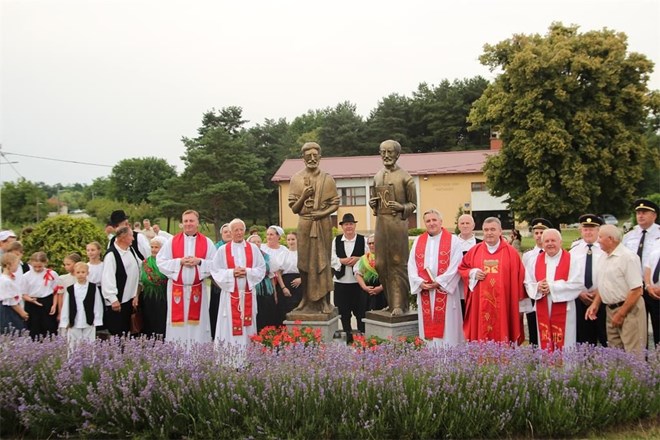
{"x":384,"y":325}
{"x":327,"y":322}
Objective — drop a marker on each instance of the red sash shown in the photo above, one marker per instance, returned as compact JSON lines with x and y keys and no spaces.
{"x":434,"y":324}
{"x":552,"y":327}
{"x":237,"y":323}
{"x":195,"y":306}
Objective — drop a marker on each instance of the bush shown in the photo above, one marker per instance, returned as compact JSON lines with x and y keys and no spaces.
{"x":61,"y":235}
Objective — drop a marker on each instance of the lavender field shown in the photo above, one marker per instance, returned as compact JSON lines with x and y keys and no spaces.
{"x":146,"y":389}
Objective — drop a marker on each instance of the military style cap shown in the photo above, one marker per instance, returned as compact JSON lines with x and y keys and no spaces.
{"x":541,"y":223}
{"x":590,"y":220}
{"x":645,"y":205}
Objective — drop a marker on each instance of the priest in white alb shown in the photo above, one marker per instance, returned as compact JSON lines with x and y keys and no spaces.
{"x":553,"y":280}
{"x":237,"y":268}
{"x":186,"y":261}
{"x":433,"y":273}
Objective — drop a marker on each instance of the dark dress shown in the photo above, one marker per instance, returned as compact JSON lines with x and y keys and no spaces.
{"x":153,"y":298}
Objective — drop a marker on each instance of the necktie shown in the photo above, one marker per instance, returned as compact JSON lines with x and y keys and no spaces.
{"x":588,"y":271}
{"x":640,"y":249}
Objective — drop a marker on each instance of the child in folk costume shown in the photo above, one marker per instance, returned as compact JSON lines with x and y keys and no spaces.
{"x":41,"y":284}
{"x":82,"y":308}
{"x":66,"y":280}
{"x":12,"y":315}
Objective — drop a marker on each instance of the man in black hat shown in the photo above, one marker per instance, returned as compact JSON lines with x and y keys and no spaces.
{"x":349,"y":297}
{"x":140,"y":243}
{"x":538,"y":225}
{"x":641,"y":240}
{"x":586,"y":253}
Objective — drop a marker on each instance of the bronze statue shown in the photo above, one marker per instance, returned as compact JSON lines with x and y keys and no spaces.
{"x":313,"y":196}
{"x":393,"y":199}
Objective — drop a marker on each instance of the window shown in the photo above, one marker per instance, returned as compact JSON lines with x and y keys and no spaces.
{"x":479,"y":186}
{"x":353,"y":196}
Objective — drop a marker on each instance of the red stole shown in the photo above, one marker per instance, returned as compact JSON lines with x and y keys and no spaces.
{"x":434,"y":324}
{"x":195,"y":307}
{"x":552,"y":327}
{"x":237,"y":323}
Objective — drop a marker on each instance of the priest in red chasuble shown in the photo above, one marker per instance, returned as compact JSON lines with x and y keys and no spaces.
{"x":186,"y":261}
{"x":493,"y":275}
{"x":432,"y":272}
{"x":554,"y":281}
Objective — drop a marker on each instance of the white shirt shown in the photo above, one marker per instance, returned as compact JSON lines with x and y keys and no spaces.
{"x":290,"y":263}
{"x":619,"y":275}
{"x":349,"y":246}
{"x":80,"y":321}
{"x":109,"y":281}
{"x":579,"y":258}
{"x":10,"y":290}
{"x":35,"y":283}
{"x":631,"y":240}
{"x":466,"y":245}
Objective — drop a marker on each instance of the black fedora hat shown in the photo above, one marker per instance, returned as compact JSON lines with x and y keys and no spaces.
{"x":117,"y":217}
{"x":347,"y":218}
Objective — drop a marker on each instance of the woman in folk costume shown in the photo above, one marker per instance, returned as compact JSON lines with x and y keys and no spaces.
{"x":266,"y":303}
{"x":186,"y":261}
{"x":553,"y":280}
{"x":153,"y":296}
{"x":238,"y":267}
{"x":289,"y":278}
{"x":433,"y":273}
{"x":367,"y":277}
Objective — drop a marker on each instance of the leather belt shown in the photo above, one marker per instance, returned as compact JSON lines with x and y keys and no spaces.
{"x":615,"y":306}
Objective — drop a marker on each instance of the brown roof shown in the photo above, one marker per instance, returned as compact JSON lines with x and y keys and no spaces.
{"x":450,"y":162}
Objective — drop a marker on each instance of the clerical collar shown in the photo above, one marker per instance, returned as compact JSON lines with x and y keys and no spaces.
{"x":492,"y":249}
{"x":192,"y":236}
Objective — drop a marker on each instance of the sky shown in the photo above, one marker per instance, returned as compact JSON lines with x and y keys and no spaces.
{"x":92,"y":82}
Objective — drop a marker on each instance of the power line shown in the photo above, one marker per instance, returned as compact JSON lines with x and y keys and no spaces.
{"x":11,"y":164}
{"x":60,"y":160}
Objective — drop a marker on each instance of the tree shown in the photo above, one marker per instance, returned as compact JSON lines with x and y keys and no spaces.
{"x":134,"y":179}
{"x":222,"y":178}
{"x":343,"y":132}
{"x":23,"y":202}
{"x":390,"y":120}
{"x":270,"y":142}
{"x":570,"y":109}
{"x":439,"y":116}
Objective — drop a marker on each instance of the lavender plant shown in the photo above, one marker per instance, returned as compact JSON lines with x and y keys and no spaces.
{"x":145,"y":388}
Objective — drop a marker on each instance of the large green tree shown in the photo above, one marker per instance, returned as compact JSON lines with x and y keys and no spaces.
{"x":223,"y":179}
{"x":390,"y":120}
{"x":134,"y":179}
{"x":570,"y":108}
{"x":23,"y":202}
{"x":343,"y":132}
{"x":439,"y":116}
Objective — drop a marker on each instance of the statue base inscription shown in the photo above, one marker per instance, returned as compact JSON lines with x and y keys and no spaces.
{"x":382,"y":324}
{"x":328,"y":323}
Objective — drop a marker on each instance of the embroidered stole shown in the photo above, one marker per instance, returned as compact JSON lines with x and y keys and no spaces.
{"x":195,"y":306}
{"x":238,"y":322}
{"x":552,"y":326}
{"x":434,"y":323}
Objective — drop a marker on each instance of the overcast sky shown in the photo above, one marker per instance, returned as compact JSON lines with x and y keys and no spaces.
{"x":100,"y":81}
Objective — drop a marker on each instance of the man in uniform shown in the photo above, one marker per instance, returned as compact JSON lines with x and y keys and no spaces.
{"x":641,"y":240}
{"x":586,"y":254}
